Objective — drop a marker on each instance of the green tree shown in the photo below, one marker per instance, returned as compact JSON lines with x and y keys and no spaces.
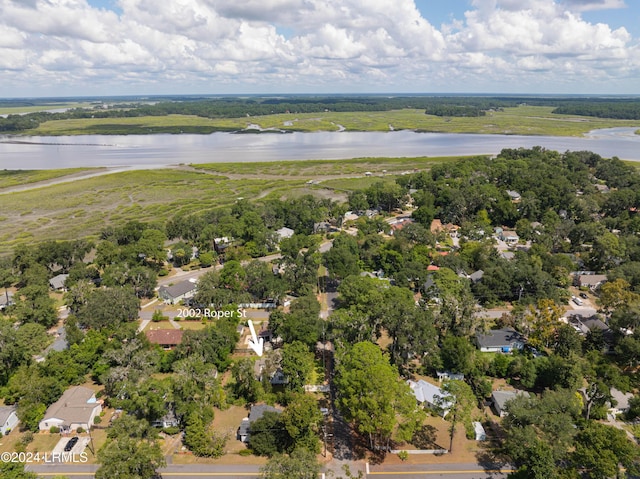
{"x":297,"y":364}
{"x":268,"y":435}
{"x":603,"y":451}
{"x":457,"y":354}
{"x":15,"y":470}
{"x":371,"y":395}
{"x":132,"y":451}
{"x":300,"y":464}
{"x":302,"y":419}
{"x":245,"y":385}
{"x":459,"y":399}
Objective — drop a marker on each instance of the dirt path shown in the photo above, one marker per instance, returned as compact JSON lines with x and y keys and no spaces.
{"x":81,"y":175}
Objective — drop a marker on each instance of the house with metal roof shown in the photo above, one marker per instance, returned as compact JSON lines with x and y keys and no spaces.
{"x":430,"y":396}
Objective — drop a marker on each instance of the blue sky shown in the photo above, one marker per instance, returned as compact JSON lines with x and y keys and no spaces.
{"x":102,"y":47}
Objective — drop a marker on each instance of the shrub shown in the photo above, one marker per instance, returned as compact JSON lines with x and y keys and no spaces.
{"x":245,"y":452}
{"x":171,"y":431}
{"x":80,"y":430}
{"x":403,"y":455}
{"x":97,"y":420}
{"x":27,"y":438}
{"x":54,"y":430}
{"x":157,"y":316}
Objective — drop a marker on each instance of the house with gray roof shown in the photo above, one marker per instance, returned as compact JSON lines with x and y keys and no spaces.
{"x":57,"y":283}
{"x":177,"y":292}
{"x":284,"y":232}
{"x":256,"y":412}
{"x":499,"y":400}
{"x":430,"y":396}
{"x":621,"y":401}
{"x":76,"y":408}
{"x":503,"y":340}
{"x":8,"y":419}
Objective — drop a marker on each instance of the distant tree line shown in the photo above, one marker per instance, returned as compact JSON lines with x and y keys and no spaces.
{"x":231,"y":107}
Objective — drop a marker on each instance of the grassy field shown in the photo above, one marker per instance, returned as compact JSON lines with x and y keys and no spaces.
{"x":84,"y":207}
{"x":523,"y":120}
{"x":9,"y":178}
{"x":15,"y":110}
{"x":312,"y":169}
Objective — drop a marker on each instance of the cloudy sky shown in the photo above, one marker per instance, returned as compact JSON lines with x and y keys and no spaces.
{"x":115,"y":47}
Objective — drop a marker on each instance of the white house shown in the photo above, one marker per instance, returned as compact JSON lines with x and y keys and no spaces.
{"x":430,"y":396}
{"x":76,"y":408}
{"x":8,"y":419}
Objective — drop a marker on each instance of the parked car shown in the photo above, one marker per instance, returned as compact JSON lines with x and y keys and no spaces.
{"x":584,"y":295}
{"x":72,"y":442}
{"x":578,"y":301}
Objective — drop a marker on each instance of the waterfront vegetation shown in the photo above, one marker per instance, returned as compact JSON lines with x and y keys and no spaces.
{"x":10,"y":178}
{"x":85,"y":206}
{"x":521,"y":120}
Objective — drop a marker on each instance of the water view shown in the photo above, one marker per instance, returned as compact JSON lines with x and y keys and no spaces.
{"x":155,"y":151}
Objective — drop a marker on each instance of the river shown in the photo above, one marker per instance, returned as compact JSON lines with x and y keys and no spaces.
{"x":156,"y":151}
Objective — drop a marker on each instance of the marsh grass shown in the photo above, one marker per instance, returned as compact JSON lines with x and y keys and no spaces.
{"x":522,"y":120}
{"x":83,"y":208}
{"x":9,"y":178}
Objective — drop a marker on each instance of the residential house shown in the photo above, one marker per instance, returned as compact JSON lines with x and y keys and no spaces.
{"x":509,"y":237}
{"x":591,"y":281}
{"x":8,"y":419}
{"x":447,"y":375}
{"x":500,"y":398}
{"x":168,"y":420}
{"x":57,"y":283}
{"x":502,"y":340}
{"x":430,"y":396}
{"x":177,"y":292}
{"x":166,"y":338}
{"x":350,"y":216}
{"x":284,"y":232}
{"x":514,"y":196}
{"x":256,"y":412}
{"x":76,"y":408}
{"x":621,"y":402}
{"x":221,"y":244}
{"x":476,"y":277}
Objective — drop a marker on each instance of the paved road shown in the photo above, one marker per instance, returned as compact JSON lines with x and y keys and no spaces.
{"x":170,"y":472}
{"x":450,"y":471}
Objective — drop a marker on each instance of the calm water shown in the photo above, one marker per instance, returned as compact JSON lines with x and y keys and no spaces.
{"x":150,"y":151}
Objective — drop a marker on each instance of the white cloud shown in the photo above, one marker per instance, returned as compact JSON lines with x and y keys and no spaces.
{"x":381,"y":44}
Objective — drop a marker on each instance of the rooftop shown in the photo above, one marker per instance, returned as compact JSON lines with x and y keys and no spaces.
{"x":165,"y":337}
